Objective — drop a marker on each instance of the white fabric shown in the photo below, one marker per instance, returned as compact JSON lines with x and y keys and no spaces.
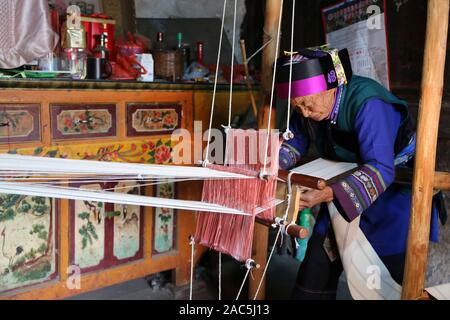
{"x":441,"y":292}
{"x":367,"y":276}
{"x":324,"y":169}
{"x":121,"y":198}
{"x":18,"y":163}
{"x":111,"y":197}
{"x":361,"y":264}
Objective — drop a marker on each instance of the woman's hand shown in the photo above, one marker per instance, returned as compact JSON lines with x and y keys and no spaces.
{"x":312,"y":198}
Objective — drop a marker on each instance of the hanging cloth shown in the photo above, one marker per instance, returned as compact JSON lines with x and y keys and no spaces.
{"x":26,"y":32}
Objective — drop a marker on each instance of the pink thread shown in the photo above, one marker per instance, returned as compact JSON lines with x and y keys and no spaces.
{"x":233,"y":234}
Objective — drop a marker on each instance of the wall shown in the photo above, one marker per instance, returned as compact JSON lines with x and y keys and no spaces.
{"x":96,"y":3}
{"x":160,"y":9}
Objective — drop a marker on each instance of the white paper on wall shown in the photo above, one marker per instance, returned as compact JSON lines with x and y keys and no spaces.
{"x":360,"y":26}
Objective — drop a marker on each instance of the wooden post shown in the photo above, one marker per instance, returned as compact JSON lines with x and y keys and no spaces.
{"x":273,"y":8}
{"x":259,"y":254}
{"x":261,"y":233}
{"x":427,"y":133}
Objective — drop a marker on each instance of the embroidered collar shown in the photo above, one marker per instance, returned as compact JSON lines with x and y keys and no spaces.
{"x":337,"y":104}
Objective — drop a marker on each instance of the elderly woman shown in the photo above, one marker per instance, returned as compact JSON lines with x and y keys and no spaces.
{"x":351,"y":119}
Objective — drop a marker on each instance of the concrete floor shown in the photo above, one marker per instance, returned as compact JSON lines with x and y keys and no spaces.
{"x":281,"y":277}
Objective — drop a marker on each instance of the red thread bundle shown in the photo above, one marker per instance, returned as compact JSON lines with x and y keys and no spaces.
{"x":233,"y":234}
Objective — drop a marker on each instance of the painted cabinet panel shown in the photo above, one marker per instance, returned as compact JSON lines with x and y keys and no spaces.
{"x":164,"y":235}
{"x":127,"y":225}
{"x":152,"y":119}
{"x":83,"y":121}
{"x":104,"y":235}
{"x":89,"y":233}
{"x":19,"y":123}
{"x":27,"y":241}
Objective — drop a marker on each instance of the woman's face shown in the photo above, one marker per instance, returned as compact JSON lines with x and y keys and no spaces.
{"x":317,"y":106}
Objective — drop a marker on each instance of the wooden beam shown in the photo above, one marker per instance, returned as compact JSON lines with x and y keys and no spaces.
{"x":303,"y":180}
{"x":427,"y":133}
{"x":441,"y":179}
{"x":295,"y":231}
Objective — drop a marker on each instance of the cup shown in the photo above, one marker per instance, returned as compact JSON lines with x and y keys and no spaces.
{"x":75,"y":62}
{"x":49,"y":63}
{"x":98,"y":68}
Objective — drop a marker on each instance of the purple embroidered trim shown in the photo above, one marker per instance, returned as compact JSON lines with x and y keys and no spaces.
{"x":346,"y":202}
{"x":337,"y":104}
{"x":358,"y":191}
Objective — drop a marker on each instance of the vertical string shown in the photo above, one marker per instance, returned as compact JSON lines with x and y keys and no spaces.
{"x":273,"y":88}
{"x":288,"y":134}
{"x":215,"y":82}
{"x":220,"y":275}
{"x":243,"y":283}
{"x":280,"y":231}
{"x":230,"y":104}
{"x":233,"y":50}
{"x":192,"y":243}
{"x":267,"y":264}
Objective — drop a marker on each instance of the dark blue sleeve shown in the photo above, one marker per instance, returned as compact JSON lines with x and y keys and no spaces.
{"x":291,"y":151}
{"x":376,"y":126}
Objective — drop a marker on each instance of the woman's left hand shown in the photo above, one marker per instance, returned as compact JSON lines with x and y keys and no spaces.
{"x":312,"y":198}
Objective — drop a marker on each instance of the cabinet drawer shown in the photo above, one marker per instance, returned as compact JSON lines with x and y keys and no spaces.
{"x":19,"y":123}
{"x":83,"y":121}
{"x":146,"y":119}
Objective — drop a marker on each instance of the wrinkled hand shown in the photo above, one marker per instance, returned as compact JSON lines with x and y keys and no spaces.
{"x":312,"y":198}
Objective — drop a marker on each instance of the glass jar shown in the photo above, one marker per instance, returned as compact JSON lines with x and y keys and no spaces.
{"x":75,"y":60}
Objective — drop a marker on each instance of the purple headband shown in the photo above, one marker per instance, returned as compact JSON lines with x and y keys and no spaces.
{"x":302,"y":88}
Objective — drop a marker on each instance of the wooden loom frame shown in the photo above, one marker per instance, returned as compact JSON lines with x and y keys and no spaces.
{"x":425,"y":178}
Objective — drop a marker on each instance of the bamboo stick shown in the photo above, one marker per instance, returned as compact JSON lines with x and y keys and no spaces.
{"x":427,"y":133}
{"x":247,"y":80}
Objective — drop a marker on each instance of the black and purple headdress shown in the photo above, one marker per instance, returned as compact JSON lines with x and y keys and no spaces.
{"x":313,"y":71}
